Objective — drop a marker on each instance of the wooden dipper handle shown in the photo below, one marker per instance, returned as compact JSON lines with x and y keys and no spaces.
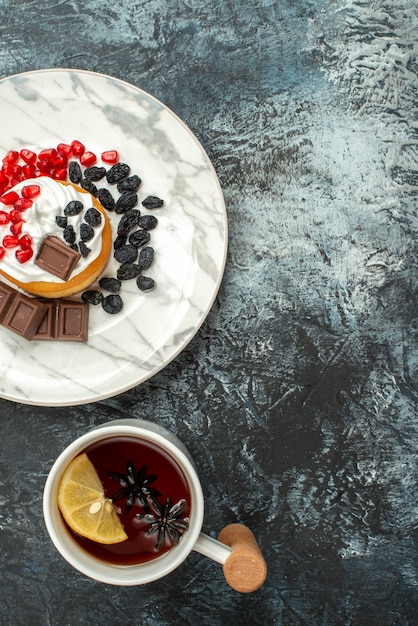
{"x":245,"y":568}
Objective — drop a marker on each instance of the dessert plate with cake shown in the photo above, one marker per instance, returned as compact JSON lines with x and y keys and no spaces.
{"x":113,"y":237}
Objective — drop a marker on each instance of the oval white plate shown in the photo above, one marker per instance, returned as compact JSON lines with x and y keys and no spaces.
{"x":44,"y":108}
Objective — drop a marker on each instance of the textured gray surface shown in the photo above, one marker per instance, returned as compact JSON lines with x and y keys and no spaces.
{"x":298,"y":396}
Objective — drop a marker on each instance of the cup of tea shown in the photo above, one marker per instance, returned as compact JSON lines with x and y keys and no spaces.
{"x":144,"y":512}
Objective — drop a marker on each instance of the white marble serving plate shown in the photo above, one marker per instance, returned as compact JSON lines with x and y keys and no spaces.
{"x":43,"y":108}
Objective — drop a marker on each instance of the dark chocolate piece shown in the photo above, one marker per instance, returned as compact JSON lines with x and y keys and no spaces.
{"x":46,"y":330}
{"x":64,"y":320}
{"x":24,"y":315}
{"x":73,"y":320}
{"x":7,"y":295}
{"x":56,"y":257}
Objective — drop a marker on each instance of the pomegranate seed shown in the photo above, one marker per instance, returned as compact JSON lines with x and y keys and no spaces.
{"x":29,"y":170}
{"x":11,"y":157}
{"x":60,"y":174}
{"x":44,"y":166}
{"x":110,"y":156}
{"x":22,"y":204}
{"x":31,"y":191}
{"x":88,"y":158}
{"x":10,"y":241}
{"x":15,"y":216}
{"x":77,"y":147}
{"x":3,"y":178}
{"x":49,"y":154}
{"x":28,"y":156}
{"x":7,"y":168}
{"x":2,"y":252}
{"x":64,"y":149}
{"x":9,"y":198}
{"x":24,"y":254}
{"x":16,"y":227}
{"x":4,"y":218}
{"x":17,"y":173}
{"x":25,"y":241}
{"x":60,"y":161}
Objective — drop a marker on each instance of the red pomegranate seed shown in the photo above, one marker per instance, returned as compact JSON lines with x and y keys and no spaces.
{"x":49,"y":154}
{"x":22,"y":204}
{"x":44,"y":166}
{"x":87,"y":159}
{"x":4,"y":218}
{"x":31,"y":191}
{"x":9,"y":198}
{"x":2,"y":252}
{"x":16,"y":227}
{"x":24,"y":254}
{"x":110,"y":156}
{"x":3,"y":178}
{"x":60,"y":161}
{"x":25,"y":241}
{"x":77,"y":147}
{"x":29,"y":170}
{"x":15,"y":216}
{"x":60,"y":174}
{"x":7,"y":168}
{"x":10,"y":241}
{"x":28,"y":156}
{"x":65,"y":149}
{"x":11,"y":157}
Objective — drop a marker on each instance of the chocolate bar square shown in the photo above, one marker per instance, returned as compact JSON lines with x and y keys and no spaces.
{"x":7,"y":294}
{"x":72,"y":321}
{"x":24,"y":316}
{"x":47,"y":328}
{"x":56,"y":257}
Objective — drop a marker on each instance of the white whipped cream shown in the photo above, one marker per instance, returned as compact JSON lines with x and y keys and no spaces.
{"x":39,"y":222}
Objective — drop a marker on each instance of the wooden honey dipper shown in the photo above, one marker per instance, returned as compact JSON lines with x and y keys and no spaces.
{"x":245,"y":569}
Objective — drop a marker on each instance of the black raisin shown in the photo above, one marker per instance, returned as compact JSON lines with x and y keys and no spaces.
{"x":126,"y":254}
{"x":89,"y":186}
{"x":128,"y":221}
{"x":93,"y":216}
{"x":139,"y":238}
{"x":126,"y":201}
{"x":95,"y":173}
{"x":92,"y":296}
{"x":152,"y":202}
{"x":73,"y":208}
{"x":86,"y":232}
{"x":112,"y":304}
{"x":69,"y":234}
{"x":119,"y":242}
{"x":132,"y":183}
{"x":110,"y":284}
{"x":61,"y":221}
{"x":145,"y":283}
{"x":127,"y":271}
{"x":106,"y":199}
{"x":85,"y":251}
{"x":148,"y":222}
{"x":117,"y":172}
{"x":74,"y":172}
{"x":146,"y":257}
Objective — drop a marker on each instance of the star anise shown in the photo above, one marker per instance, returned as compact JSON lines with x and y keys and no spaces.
{"x":135,"y":486}
{"x":166,"y":521}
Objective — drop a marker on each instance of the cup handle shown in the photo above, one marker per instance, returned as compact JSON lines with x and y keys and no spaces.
{"x":237,"y":550}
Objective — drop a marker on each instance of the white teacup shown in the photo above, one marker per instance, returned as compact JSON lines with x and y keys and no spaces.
{"x":243,"y":564}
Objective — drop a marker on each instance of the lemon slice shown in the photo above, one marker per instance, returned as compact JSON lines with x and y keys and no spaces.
{"x":83,"y":504}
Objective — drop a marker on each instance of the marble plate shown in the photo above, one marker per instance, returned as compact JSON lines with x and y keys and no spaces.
{"x":44,"y":108}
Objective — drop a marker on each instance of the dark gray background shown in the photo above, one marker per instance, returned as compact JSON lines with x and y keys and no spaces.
{"x":298,"y":396}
